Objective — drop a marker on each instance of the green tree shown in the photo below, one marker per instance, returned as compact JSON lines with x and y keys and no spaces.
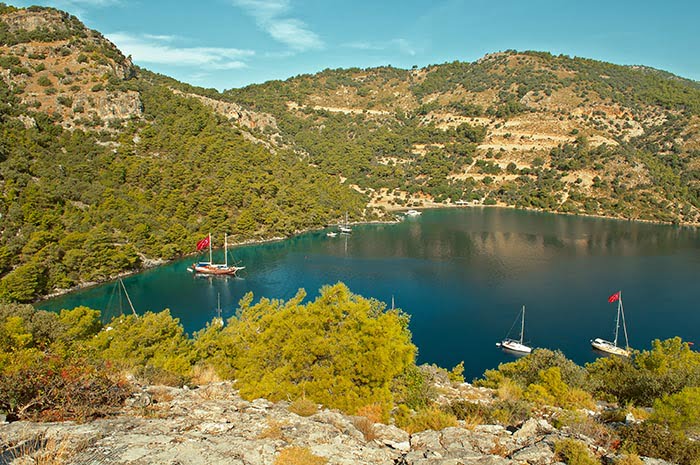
{"x":340,"y":350}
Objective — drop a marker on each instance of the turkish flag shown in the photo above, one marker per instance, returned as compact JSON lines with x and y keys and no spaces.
{"x":615,"y":297}
{"x":203,"y":244}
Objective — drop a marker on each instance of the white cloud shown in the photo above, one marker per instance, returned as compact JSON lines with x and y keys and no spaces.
{"x":157,"y":49}
{"x":272,"y":16}
{"x":401,"y":45}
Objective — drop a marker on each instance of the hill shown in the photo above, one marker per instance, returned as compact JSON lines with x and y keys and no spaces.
{"x":106,"y":168}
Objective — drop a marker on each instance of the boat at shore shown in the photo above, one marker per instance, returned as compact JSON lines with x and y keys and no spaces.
{"x":345,"y":227}
{"x":413,"y":213}
{"x":211,"y":268}
{"x":516,"y":345}
{"x":612,"y":347}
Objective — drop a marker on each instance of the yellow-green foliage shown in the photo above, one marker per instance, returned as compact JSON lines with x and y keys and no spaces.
{"x":666,"y":369}
{"x":573,"y":452}
{"x":154,"y":340}
{"x":303,"y":407}
{"x":428,"y":418}
{"x":80,"y":323}
{"x":551,"y":390}
{"x":295,"y":455}
{"x":340,"y":350}
{"x":680,"y":412}
{"x":526,"y":370}
{"x":629,"y":459}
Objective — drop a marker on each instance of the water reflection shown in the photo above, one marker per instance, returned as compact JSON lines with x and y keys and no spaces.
{"x":459,"y":273}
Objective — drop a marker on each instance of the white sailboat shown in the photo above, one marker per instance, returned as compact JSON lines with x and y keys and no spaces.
{"x":612,"y":347}
{"x":516,"y":345}
{"x":345,"y":228}
{"x":413,"y":213}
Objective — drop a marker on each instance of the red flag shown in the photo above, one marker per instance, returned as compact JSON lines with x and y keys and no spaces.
{"x":203,"y":244}
{"x":615,"y":297}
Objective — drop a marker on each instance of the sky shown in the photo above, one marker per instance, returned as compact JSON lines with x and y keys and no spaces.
{"x":227,"y":44}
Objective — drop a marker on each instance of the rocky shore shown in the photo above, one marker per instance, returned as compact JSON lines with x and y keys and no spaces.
{"x":212,"y":425}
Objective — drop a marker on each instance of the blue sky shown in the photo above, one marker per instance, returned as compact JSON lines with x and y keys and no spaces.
{"x":233,"y":43}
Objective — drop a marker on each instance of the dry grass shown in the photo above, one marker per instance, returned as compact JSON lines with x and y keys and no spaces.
{"x":303,"y":407}
{"x":204,"y":374}
{"x":40,"y":450}
{"x":365,"y":426}
{"x":295,"y":455}
{"x":629,"y":459}
{"x":273,"y":430}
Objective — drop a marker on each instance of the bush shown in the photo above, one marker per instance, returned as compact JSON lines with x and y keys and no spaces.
{"x":428,"y":418}
{"x":295,"y":455}
{"x":303,"y":407}
{"x":680,"y":412}
{"x":573,"y":452}
{"x":653,"y":440}
{"x":340,"y":350}
{"x":154,"y":344}
{"x":39,"y":386}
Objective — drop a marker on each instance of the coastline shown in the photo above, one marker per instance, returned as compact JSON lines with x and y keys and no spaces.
{"x":389,"y":209}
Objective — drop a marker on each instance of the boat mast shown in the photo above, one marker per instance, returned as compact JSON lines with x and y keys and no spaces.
{"x":624,"y":325}
{"x":522,"y":326}
{"x":127,"y":297}
{"x":617,"y":320}
{"x":210,"y":260}
{"x":226,"y":250}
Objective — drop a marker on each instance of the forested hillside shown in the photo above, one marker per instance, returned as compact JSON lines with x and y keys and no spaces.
{"x":527,"y":129}
{"x":105,"y":167}
{"x":83,"y":202}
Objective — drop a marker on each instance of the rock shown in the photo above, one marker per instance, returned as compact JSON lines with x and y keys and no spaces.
{"x":491,"y":429}
{"x":532,"y":428}
{"x":538,"y":454}
{"x":393,"y":437}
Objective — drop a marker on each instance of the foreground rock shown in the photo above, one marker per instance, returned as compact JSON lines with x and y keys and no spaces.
{"x":214,"y":425}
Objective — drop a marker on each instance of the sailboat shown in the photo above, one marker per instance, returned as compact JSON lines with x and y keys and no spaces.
{"x":345,"y":227}
{"x":516,"y":345}
{"x":212,"y":268}
{"x":612,"y":347}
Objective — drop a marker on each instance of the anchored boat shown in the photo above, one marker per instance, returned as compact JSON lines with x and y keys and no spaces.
{"x":516,"y":345}
{"x":210,"y":267}
{"x":612,"y":347}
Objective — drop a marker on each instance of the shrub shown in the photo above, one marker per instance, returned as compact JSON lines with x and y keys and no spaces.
{"x":341,"y":350}
{"x":428,"y":418}
{"x":680,"y":411}
{"x":34,"y":385}
{"x":573,"y":452}
{"x":295,"y":455}
{"x":653,"y":440}
{"x":303,"y":407}
{"x":44,"y":81}
{"x":153,"y":344}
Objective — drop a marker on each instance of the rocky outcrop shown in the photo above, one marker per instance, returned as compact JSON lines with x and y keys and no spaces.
{"x":214,"y":425}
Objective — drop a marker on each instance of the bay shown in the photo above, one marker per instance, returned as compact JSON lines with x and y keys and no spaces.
{"x":462,"y":275}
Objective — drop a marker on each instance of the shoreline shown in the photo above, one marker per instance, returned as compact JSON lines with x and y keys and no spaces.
{"x":389,"y":209}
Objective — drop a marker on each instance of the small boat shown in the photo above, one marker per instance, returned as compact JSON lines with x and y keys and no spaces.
{"x":211,"y":268}
{"x":345,"y":227}
{"x":413,"y":213}
{"x":516,"y":345}
{"x":331,"y":234}
{"x":612,"y":347}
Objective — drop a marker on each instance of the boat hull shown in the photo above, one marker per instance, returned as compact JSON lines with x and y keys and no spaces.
{"x":608,"y":347}
{"x":219,"y":270}
{"x":515,"y":346}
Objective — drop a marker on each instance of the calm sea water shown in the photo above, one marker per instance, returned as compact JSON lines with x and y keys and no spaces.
{"x":462,"y":275}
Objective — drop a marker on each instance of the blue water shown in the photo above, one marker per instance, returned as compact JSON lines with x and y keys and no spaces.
{"x":462,"y":275}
